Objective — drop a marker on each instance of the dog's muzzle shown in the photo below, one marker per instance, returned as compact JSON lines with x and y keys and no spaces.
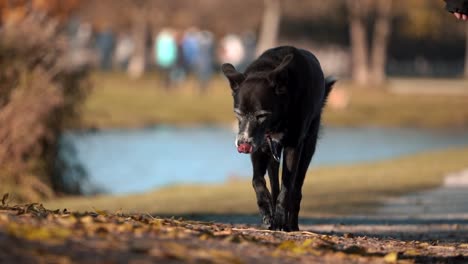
{"x":245,"y":148}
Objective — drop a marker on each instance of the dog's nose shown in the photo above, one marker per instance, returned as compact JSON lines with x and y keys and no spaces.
{"x":245,"y":148}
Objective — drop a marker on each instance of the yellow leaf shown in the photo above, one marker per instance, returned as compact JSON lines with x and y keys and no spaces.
{"x":391,"y":257}
{"x":37,"y":233}
{"x":308,"y":242}
{"x":100,"y":212}
{"x":86,"y":219}
{"x":412,"y":252}
{"x":287,"y":245}
{"x":204,"y":237}
{"x":156,"y":223}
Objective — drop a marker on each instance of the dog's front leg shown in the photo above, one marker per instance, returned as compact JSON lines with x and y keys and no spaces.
{"x":260,"y":162}
{"x":291,"y":157}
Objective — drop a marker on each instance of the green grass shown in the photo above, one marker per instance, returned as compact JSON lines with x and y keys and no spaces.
{"x":335,"y":190}
{"x":120,"y":102}
{"x":378,"y":107}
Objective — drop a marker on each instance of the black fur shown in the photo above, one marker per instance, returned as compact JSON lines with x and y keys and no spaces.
{"x":279,"y":101}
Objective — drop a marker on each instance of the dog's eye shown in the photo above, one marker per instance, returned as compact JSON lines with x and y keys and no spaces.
{"x":262,"y":117}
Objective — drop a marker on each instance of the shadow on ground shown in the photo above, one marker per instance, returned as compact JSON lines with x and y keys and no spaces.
{"x":435,"y":228}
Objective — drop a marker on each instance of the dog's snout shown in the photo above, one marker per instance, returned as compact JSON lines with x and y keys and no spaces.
{"x":243,"y":140}
{"x":245,"y":148}
{"x":244,"y":144}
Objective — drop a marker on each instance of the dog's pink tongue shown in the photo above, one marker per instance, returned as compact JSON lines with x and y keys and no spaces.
{"x":244,"y":148}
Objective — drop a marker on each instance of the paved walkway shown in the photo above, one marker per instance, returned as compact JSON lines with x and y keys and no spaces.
{"x":451,"y":199}
{"x":434,"y":215}
{"x":440,"y":214}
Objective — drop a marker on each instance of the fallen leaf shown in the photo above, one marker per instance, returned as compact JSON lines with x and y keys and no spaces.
{"x":391,"y":257}
{"x":223,"y":256}
{"x":205,"y":237}
{"x":442,"y":248}
{"x":308,"y":242}
{"x":235,"y":239}
{"x":86,"y":219}
{"x":100,"y":212}
{"x":226,"y":232}
{"x":37,"y":233}
{"x":355,"y":250}
{"x":412,"y":252}
{"x":5,"y":198}
{"x":175,"y":250}
{"x":141,"y":246}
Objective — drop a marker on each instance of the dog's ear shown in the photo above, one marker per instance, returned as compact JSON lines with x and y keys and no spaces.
{"x":235,"y":78}
{"x":278,"y":76}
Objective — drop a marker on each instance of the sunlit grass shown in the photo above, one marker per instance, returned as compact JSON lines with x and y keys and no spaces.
{"x":379,"y":107}
{"x":342,"y":189}
{"x":120,"y":102}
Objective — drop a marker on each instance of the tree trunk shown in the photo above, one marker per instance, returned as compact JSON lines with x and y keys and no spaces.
{"x":270,"y":26}
{"x":359,"y":49}
{"x":380,"y":40}
{"x":466,"y":51}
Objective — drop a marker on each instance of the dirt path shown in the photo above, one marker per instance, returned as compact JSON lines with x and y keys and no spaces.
{"x":31,"y":234}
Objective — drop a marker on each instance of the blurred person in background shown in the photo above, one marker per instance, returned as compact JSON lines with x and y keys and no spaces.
{"x":232,"y":50}
{"x":123,"y":51}
{"x":165,"y":51}
{"x":80,"y":36}
{"x":459,"y":8}
{"x":249,"y":40}
{"x":190,"y":49}
{"x":105,"y":45}
{"x":204,"y":59}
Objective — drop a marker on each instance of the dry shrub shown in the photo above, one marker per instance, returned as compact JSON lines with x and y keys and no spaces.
{"x":40,"y":96}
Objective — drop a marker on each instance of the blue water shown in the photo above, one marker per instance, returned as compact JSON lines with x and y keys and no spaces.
{"x":121,"y":161}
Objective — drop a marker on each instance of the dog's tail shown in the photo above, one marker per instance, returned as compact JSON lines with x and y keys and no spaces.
{"x":329,"y":81}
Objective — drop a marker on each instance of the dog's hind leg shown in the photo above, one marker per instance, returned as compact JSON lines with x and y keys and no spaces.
{"x":260,"y":161}
{"x":304,"y":162}
{"x":291,"y":156}
{"x":273,"y":174}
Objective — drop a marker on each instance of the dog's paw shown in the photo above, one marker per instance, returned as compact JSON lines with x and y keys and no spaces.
{"x":267,"y":222}
{"x":294,"y":228}
{"x":279,"y":222}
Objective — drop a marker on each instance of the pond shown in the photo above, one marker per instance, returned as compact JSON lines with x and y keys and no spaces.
{"x":130,"y":161}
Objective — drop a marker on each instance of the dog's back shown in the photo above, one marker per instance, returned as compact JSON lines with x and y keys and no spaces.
{"x":306,"y":86}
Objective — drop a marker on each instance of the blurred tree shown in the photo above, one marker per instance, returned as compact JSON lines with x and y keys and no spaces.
{"x":367,"y":70}
{"x":14,"y":11}
{"x":40,"y":96}
{"x":466,"y":50}
{"x":269,"y":29}
{"x":358,"y":12}
{"x":380,"y":40}
{"x":424,"y":29}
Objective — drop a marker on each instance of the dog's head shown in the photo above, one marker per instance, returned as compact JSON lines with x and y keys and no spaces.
{"x":259,"y":103}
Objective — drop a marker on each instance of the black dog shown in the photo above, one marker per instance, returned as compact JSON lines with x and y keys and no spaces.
{"x":278,"y":102}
